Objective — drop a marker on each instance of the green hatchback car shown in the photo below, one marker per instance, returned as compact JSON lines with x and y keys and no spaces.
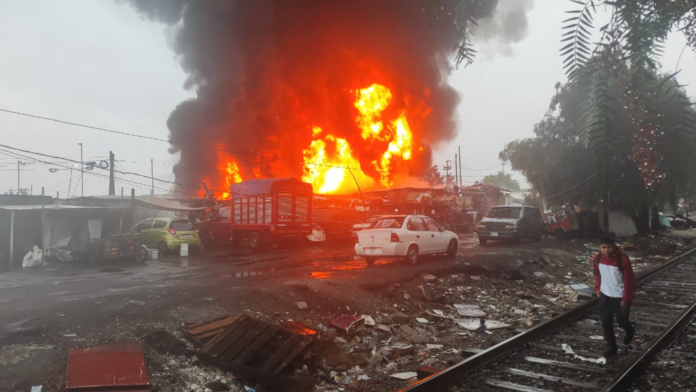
{"x":167,"y":234}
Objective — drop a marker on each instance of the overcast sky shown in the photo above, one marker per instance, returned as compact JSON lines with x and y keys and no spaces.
{"x":98,"y":63}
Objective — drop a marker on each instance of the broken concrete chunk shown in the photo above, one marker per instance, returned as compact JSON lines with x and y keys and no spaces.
{"x":404,"y":376}
{"x":383,"y":327}
{"x":401,"y":348}
{"x":428,"y":278}
{"x":469,"y":310}
{"x":399,"y":318}
{"x":474,"y":324}
{"x":408,"y":330}
{"x":302,"y":305}
{"x":419,"y":339}
{"x":369,"y":320}
{"x":434,"y":346}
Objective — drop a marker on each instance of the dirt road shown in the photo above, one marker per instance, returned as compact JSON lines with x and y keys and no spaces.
{"x":45,"y":312}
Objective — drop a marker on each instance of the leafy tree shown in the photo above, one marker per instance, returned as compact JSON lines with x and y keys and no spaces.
{"x":503,"y":180}
{"x":449,"y":179}
{"x":434,"y":177}
{"x":585,"y":148}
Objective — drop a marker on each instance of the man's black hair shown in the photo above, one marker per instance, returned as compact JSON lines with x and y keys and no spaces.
{"x":607,"y":241}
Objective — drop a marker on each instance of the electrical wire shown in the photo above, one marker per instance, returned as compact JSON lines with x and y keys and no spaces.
{"x":95,"y":174}
{"x":238,"y":153}
{"x":574,"y":186}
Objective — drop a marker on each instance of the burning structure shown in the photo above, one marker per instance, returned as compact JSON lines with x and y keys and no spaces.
{"x":320,"y":90}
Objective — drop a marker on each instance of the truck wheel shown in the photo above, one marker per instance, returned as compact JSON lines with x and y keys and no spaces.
{"x":206,"y":239}
{"x":141,"y":254}
{"x":255,"y":240}
{"x":452,"y":248}
{"x":412,"y":255}
{"x":483,"y":241}
{"x":370,"y":260}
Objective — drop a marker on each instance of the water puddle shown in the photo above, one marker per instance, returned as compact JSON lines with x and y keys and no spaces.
{"x":321,"y":275}
{"x":255,"y":272}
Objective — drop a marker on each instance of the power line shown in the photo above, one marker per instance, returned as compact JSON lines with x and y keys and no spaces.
{"x":207,"y":148}
{"x":573,"y":187}
{"x":94,"y":174}
{"x":122,"y":172}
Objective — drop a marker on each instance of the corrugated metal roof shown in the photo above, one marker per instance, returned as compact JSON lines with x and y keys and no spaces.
{"x":49,"y":207}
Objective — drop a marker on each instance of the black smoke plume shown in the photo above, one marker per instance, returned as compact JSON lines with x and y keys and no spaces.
{"x":265,"y":71}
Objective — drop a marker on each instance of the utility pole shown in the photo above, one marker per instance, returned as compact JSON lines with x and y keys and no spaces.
{"x":152,"y":175}
{"x":70,"y":183}
{"x":461,"y":177}
{"x":82,"y":171}
{"x":112,"y":186}
{"x":456,"y":171}
{"x":447,"y":169}
{"x":19,"y":184}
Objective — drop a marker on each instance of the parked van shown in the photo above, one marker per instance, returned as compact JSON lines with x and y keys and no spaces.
{"x":512,"y":223}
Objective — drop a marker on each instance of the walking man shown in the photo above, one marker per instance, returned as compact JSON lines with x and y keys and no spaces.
{"x":615,"y":285}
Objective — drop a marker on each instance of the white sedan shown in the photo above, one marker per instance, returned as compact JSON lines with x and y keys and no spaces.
{"x":406,"y":236}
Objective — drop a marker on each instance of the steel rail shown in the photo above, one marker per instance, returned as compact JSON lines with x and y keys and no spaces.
{"x":457,"y":373}
{"x":632,"y":372}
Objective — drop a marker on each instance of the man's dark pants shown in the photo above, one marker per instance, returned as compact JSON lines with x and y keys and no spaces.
{"x":608,"y":307}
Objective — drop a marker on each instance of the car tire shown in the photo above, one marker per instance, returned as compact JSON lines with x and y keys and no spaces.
{"x":370,"y":260}
{"x":482,"y":241}
{"x":519,"y":240}
{"x":412,"y":255}
{"x":452,"y":248}
{"x":162,"y":248}
{"x":142,"y":254}
{"x":255,"y":240}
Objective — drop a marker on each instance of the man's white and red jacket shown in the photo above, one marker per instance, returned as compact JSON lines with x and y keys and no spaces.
{"x":610,"y":281}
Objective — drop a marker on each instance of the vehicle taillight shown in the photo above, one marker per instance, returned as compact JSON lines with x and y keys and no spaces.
{"x":395,"y":237}
{"x":172,"y":232}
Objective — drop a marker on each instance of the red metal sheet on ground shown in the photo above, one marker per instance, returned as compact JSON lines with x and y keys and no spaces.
{"x":112,"y":365}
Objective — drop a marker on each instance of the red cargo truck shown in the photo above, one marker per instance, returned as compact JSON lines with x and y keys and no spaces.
{"x":266,"y":210}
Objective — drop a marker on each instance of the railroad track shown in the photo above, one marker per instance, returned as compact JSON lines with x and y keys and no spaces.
{"x":540,"y":359}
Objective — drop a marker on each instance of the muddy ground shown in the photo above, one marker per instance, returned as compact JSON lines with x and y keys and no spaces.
{"x":45,"y":312}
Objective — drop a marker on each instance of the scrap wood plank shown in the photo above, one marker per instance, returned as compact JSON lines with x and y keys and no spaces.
{"x":566,"y":365}
{"x":567,"y":381}
{"x":261,"y":340}
{"x":513,"y":386}
{"x":236,"y":338}
{"x":210,"y":328}
{"x":294,"y":353}
{"x":278,"y":356}
{"x":212,"y":345}
{"x":249,"y":337}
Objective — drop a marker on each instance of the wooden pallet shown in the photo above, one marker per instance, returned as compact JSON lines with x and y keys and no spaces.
{"x":255,"y":350}
{"x":200,"y":333}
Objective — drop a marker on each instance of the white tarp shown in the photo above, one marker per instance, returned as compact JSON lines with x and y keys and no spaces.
{"x":621,"y":224}
{"x":33,"y":259}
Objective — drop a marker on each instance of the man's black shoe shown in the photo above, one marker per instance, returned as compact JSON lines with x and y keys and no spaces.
{"x":610,"y":352}
{"x":629,"y":336}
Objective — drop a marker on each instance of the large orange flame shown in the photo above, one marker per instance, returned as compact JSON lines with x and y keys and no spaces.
{"x":331,"y":165}
{"x":328,"y":172}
